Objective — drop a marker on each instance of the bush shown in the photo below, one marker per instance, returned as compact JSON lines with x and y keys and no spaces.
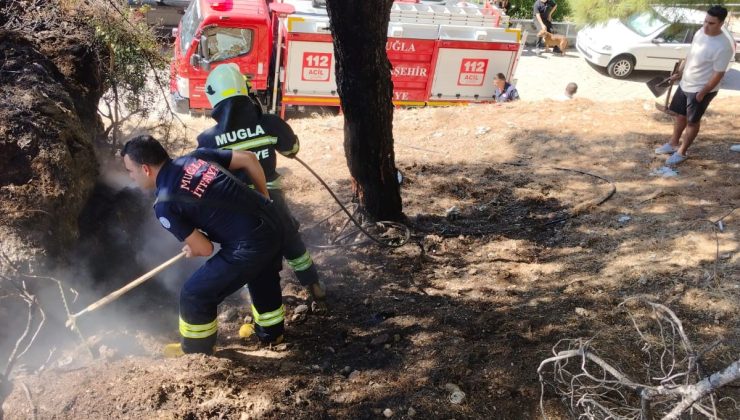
{"x":134,"y":75}
{"x":586,"y":11}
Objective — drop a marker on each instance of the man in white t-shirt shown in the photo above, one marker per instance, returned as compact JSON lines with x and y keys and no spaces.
{"x":700,"y":74}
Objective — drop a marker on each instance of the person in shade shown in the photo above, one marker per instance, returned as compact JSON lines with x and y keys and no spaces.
{"x":241,"y":125}
{"x":201,"y":202}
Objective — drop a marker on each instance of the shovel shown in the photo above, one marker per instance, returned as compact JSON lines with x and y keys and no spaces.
{"x":659,"y":85}
{"x":120,"y":292}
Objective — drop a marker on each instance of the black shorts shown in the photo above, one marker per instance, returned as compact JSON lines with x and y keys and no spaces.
{"x":685,"y":103}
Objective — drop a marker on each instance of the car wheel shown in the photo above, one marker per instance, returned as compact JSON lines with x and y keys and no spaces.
{"x":621,"y":67}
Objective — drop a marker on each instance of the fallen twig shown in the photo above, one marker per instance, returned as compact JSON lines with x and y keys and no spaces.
{"x":597,"y":389}
{"x":34,"y":410}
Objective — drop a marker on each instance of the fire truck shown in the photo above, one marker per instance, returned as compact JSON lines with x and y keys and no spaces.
{"x":440,"y":54}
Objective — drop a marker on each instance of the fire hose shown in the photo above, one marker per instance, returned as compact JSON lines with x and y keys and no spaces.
{"x":390,"y":243}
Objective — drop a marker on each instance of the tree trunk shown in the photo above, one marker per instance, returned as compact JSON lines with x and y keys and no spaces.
{"x":363,"y":72}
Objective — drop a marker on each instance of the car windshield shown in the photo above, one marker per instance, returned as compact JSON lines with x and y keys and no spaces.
{"x":225,"y":43}
{"x":190,"y":22}
{"x":644,"y":23}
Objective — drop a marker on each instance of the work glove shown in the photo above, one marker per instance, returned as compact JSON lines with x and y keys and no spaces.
{"x":293,"y":152}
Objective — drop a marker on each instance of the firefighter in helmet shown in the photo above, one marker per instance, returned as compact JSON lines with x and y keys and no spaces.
{"x":241,"y":125}
{"x":200,"y":202}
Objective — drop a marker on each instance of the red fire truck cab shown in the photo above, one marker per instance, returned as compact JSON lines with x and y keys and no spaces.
{"x":213,"y":32}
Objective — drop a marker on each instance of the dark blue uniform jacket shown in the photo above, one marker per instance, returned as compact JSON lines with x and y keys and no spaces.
{"x":199,"y":183}
{"x":241,"y":126}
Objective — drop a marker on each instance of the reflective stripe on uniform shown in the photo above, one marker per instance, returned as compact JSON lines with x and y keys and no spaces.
{"x":301,"y":263}
{"x":275,"y":184}
{"x":269,"y":319}
{"x":251,"y":144}
{"x":198,"y":330}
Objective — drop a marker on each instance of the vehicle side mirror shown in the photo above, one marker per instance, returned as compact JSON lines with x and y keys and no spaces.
{"x":658,"y":40}
{"x":195,"y":60}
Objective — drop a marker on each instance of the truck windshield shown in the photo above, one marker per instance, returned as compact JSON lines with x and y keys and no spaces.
{"x":225,"y":43}
{"x":644,"y":23}
{"x":190,"y":22}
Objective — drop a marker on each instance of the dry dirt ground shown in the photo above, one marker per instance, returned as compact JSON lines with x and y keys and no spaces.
{"x":476,"y":302}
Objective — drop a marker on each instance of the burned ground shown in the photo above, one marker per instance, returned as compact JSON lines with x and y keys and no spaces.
{"x":476,"y":300}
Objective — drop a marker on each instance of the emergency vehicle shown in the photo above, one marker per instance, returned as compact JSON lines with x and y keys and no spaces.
{"x":440,"y":54}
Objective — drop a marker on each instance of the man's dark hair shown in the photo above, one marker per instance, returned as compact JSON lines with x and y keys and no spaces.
{"x":718,"y":11}
{"x":500,"y":76}
{"x":571,"y":88}
{"x":145,"y":150}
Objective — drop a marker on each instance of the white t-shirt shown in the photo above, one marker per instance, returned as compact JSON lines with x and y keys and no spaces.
{"x":708,"y":54}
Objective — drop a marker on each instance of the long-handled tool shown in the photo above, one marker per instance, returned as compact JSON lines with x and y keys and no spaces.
{"x":120,"y":292}
{"x":659,"y":85}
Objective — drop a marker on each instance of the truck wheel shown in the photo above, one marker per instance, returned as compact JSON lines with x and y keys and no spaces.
{"x":621,"y":67}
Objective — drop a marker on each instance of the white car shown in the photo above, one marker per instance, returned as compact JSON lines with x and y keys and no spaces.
{"x":651,"y":40}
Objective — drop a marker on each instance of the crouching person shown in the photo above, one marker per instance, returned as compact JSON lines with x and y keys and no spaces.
{"x":200,"y":202}
{"x":241,"y":125}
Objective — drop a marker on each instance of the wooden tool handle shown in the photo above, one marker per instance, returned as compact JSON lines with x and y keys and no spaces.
{"x":670,"y":86}
{"x":120,"y":292}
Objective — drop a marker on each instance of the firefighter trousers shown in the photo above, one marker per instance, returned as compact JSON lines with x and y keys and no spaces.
{"x":294,"y":250}
{"x":255,"y":262}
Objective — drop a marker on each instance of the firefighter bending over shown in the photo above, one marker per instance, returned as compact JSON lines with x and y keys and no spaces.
{"x":241,"y":125}
{"x":200,"y":202}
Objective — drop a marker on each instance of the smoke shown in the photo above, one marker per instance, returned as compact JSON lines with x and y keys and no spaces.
{"x":151,"y":243}
{"x":159,"y":247}
{"x":120,"y":239}
{"x":117,"y":179}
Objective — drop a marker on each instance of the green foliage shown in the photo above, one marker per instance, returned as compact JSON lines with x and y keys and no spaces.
{"x":134,"y":73}
{"x":592,"y":11}
{"x":133,"y":55}
{"x":522,"y":9}
{"x":587,"y":11}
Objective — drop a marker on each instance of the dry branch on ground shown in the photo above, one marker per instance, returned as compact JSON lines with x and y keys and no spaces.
{"x":597,"y":386}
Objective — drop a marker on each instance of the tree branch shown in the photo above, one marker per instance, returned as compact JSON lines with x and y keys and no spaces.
{"x":672,"y":384}
{"x":694,"y":393}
